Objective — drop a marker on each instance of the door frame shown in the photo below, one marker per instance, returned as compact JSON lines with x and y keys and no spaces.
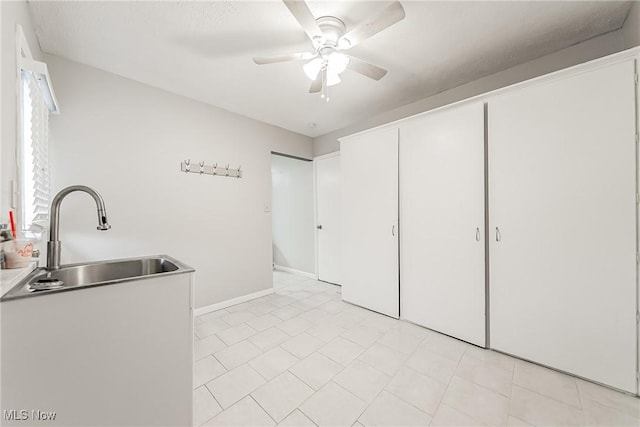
{"x":315,"y":201}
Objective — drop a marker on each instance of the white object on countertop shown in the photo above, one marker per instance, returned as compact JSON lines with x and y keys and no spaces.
{"x":17,"y":253}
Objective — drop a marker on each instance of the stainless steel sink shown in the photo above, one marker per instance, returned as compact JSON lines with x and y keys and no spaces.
{"x":75,"y":276}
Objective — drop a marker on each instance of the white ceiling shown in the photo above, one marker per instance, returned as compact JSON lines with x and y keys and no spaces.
{"x":203,"y":50}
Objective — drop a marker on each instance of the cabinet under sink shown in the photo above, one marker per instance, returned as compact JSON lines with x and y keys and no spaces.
{"x":112,"y":346}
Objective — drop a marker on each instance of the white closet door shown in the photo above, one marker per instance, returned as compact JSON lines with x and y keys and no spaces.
{"x":369,"y":168}
{"x":328,"y":200}
{"x":442,"y":263}
{"x":563,"y":232}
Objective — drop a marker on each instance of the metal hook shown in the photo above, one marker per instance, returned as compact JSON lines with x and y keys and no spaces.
{"x":187,"y":165}
{"x":201,"y":167}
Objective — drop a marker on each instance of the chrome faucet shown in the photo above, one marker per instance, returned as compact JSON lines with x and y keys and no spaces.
{"x":53,"y":245}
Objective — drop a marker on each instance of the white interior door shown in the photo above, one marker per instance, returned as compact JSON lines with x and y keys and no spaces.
{"x":562,"y":200}
{"x":442,"y":245}
{"x":328,"y":201}
{"x":369,"y":169}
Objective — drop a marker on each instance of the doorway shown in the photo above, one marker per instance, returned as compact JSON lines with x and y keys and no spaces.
{"x":292,"y":214}
{"x":328,"y":217}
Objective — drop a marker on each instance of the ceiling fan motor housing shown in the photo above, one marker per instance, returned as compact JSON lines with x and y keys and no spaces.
{"x":332,"y":29}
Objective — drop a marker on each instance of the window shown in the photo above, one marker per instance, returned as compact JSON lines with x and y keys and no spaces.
{"x":36,"y":101}
{"x":34,"y":174}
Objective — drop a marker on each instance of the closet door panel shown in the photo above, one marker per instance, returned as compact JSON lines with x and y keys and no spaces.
{"x":562,"y":209}
{"x":369,"y":168}
{"x":442,"y":264}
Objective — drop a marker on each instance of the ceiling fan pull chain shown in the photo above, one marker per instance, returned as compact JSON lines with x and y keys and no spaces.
{"x":325,"y":86}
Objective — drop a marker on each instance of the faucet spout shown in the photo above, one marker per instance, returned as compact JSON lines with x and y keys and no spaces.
{"x":53,"y":245}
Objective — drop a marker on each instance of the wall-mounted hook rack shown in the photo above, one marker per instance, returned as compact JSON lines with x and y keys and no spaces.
{"x":186,"y":166}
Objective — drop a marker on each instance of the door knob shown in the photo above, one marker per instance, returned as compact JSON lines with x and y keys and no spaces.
{"x":319,"y":227}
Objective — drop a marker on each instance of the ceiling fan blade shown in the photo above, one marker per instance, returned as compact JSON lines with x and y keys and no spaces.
{"x":393,"y":13}
{"x":262,"y":60}
{"x":366,"y":69}
{"x":316,"y":85}
{"x":305,"y":18}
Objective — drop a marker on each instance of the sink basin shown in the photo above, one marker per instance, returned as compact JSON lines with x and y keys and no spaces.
{"x":75,"y":276}
{"x":85,"y":274}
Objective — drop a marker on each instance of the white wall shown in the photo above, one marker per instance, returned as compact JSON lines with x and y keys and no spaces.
{"x":292,"y":213}
{"x":126,"y":140}
{"x":596,"y":47}
{"x":13,"y":13}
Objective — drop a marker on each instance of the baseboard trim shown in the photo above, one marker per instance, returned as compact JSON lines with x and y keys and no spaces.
{"x":294,"y":271}
{"x":228,"y":303}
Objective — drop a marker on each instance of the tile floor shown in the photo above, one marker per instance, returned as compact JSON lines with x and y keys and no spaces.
{"x":303,"y":357}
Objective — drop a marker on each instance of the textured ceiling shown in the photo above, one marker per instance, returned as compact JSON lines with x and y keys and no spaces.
{"x":203,"y":50}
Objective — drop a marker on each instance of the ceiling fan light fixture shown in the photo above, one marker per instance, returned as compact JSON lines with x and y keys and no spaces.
{"x":337,"y":62}
{"x":312,"y":68}
{"x":332,"y":78}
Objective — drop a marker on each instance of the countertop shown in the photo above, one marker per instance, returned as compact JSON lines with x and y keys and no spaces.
{"x":10,"y":277}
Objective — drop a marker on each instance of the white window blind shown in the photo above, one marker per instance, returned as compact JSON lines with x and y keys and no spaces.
{"x":34,"y":159}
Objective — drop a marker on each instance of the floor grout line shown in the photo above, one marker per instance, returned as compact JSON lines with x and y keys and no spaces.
{"x":373,"y":367}
{"x":258,"y":403}
{"x":405,"y":401}
{"x":449,"y":385}
{"x":216,"y":400}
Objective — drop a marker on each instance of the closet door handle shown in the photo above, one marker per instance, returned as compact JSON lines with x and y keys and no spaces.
{"x":393,"y":230}
{"x":477,"y":234}
{"x":498,"y":235}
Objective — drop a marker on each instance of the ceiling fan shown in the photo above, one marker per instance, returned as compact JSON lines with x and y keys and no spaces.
{"x":329,"y":37}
